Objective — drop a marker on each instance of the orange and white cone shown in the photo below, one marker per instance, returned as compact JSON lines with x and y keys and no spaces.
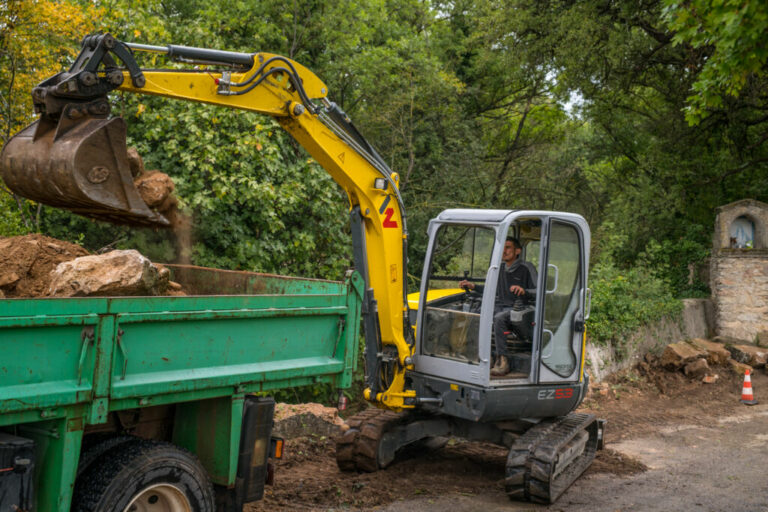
{"x":746,"y":392}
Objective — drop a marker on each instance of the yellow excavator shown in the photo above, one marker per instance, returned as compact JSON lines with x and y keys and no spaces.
{"x":426,"y":383}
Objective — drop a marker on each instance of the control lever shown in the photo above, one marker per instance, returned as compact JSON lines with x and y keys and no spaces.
{"x":467,"y":294}
{"x":466,"y":278}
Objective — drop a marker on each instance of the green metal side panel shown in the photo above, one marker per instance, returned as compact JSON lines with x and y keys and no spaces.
{"x":223,"y":348}
{"x":100,"y":351}
{"x":211,"y":429}
{"x":45,"y":364}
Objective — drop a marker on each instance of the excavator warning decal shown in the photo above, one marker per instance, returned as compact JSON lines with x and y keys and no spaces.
{"x":388,"y":222}
{"x":341,"y":157}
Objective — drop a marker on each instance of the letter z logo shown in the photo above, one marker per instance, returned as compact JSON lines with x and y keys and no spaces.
{"x":388,"y":222}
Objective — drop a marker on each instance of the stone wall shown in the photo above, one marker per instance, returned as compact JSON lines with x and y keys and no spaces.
{"x":740,"y":292}
{"x":695,"y":321}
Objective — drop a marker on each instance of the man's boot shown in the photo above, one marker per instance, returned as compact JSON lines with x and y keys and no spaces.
{"x":502,"y":366}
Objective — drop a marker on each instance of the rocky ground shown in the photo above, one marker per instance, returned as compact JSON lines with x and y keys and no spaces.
{"x":644,"y":400}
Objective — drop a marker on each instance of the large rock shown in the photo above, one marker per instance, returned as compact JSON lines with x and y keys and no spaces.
{"x":696,"y":369}
{"x":116,"y":273}
{"x":716,"y":353}
{"x":300,"y":420}
{"x":677,"y":355}
{"x":749,"y":354}
{"x":762,"y":339}
{"x":155,"y":189}
{"x":739,"y":368}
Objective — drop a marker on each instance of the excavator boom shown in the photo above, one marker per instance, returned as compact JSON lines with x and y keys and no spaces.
{"x":75,"y":157}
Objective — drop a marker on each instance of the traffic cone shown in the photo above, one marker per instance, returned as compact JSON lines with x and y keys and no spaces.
{"x":746,"y":392}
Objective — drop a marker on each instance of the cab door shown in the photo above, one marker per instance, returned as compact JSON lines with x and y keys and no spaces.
{"x":561,"y":340}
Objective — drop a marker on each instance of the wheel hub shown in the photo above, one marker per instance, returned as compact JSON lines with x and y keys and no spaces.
{"x":159,"y":498}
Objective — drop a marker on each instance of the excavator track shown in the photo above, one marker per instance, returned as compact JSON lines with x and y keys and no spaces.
{"x":549,"y":457}
{"x":358,"y":447}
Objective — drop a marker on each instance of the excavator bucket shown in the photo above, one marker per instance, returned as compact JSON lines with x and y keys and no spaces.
{"x":79,"y":164}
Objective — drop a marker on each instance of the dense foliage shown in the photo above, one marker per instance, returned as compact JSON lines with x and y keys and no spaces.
{"x":624,"y":300}
{"x":642,"y":116}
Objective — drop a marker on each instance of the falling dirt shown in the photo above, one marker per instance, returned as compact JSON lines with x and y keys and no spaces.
{"x":634,"y":402}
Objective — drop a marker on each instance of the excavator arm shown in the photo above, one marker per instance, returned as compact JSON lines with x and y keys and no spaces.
{"x":75,"y":157}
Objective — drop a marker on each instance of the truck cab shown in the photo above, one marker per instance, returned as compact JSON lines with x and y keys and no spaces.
{"x":455,"y":344}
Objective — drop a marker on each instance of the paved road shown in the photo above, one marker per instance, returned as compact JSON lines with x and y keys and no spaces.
{"x":721,"y":468}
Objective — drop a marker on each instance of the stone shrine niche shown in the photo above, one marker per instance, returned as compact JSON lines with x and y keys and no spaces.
{"x":741,"y":225}
{"x":742,"y":233}
{"x":739,"y":270}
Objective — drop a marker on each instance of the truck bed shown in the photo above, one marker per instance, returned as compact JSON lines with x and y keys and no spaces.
{"x":239,"y":332}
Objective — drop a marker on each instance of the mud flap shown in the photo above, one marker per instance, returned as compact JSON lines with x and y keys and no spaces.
{"x":253,"y":461}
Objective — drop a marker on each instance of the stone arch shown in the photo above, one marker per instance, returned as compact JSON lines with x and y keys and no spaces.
{"x":753,"y":211}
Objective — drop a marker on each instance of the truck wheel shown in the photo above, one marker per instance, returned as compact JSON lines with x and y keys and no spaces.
{"x":95,"y":445}
{"x":145,"y":476}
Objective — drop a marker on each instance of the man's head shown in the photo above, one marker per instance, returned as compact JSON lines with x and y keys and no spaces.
{"x":512,"y":249}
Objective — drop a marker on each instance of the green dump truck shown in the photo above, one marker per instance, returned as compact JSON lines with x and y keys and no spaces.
{"x":157,"y":403}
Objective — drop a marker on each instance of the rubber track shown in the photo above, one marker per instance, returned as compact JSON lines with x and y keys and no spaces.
{"x":358,"y":448}
{"x":532,"y":459}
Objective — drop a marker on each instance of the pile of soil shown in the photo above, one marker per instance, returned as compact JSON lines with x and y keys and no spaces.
{"x":26,"y":263}
{"x":295,"y":420}
{"x":634,"y":402}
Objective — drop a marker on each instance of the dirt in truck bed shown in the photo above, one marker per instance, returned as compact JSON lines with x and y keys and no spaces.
{"x":26,"y":263}
{"x":634,"y":403}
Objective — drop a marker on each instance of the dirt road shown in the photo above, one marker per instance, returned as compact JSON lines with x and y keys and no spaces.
{"x":690,"y":467}
{"x":672,"y":444}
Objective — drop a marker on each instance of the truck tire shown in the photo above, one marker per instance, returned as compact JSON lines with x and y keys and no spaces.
{"x":95,"y":445}
{"x":144,"y":476}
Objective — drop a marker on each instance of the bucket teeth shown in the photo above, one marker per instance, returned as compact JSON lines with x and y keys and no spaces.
{"x":80,"y":165}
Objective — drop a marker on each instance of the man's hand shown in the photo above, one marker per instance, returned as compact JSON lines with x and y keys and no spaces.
{"x":467,"y":284}
{"x":517,"y":290}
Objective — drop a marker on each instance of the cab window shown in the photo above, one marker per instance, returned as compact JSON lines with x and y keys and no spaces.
{"x":452,"y":321}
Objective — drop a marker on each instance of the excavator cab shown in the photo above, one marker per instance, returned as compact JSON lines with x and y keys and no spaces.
{"x":543,"y":333}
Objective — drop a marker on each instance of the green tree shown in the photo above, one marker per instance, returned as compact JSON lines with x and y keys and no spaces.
{"x":37,"y":38}
{"x":731,"y":35}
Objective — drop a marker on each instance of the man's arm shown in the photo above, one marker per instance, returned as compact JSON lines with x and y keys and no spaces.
{"x":533,"y":278}
{"x":472,"y":286}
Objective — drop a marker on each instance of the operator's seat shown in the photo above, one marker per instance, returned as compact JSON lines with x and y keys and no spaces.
{"x":520,"y":338}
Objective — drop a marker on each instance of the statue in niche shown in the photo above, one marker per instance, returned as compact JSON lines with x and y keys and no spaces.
{"x":742,"y":233}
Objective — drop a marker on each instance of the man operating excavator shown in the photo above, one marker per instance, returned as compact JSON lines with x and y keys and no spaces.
{"x":517,"y":282}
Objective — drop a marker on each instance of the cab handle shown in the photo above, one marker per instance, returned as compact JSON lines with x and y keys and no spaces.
{"x":557,"y":276}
